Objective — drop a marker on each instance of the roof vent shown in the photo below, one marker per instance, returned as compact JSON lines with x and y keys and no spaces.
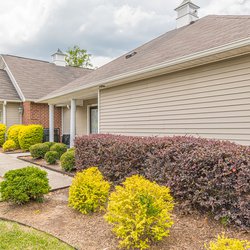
{"x":58,"y":58}
{"x":187,"y":13}
{"x":130,"y":55}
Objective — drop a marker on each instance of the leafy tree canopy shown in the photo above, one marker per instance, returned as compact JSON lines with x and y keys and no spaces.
{"x":78,"y":57}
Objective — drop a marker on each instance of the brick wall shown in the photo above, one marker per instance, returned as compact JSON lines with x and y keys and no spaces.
{"x":37,"y":113}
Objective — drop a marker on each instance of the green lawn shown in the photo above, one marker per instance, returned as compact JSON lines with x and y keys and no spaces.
{"x":16,"y":237}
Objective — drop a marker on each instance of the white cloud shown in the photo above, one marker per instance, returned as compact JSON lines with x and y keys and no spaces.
{"x":106,"y":28}
{"x":226,"y":7}
{"x":22,"y":21}
{"x":127,"y":16}
{"x":98,"y":61}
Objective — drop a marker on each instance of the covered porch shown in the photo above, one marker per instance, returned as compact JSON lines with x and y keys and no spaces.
{"x":10,"y":112}
{"x":80,"y":115}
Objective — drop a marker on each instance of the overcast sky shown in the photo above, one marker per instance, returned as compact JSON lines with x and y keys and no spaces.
{"x":106,"y":28}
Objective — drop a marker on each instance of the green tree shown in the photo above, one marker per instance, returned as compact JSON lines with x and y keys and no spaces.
{"x":78,"y":57}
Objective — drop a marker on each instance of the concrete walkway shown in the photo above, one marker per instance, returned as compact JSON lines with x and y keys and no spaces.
{"x":10,"y":162}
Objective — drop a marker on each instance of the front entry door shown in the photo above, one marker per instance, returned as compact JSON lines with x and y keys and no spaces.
{"x":93,"y":120}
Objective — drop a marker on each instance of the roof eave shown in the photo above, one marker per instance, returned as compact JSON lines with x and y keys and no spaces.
{"x":158,"y":69}
{"x":13,"y":80}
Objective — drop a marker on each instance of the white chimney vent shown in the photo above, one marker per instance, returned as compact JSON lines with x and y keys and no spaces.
{"x":187,"y":13}
{"x":58,"y":58}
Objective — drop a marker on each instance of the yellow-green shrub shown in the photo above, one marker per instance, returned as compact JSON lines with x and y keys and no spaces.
{"x":223,"y":243}
{"x":140,"y":212}
{"x":12,"y":133}
{"x":2,"y":134}
{"x":89,"y":191}
{"x":30,"y":135}
{"x":9,"y":145}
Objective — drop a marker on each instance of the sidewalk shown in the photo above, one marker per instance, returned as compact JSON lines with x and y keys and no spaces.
{"x":10,"y":162}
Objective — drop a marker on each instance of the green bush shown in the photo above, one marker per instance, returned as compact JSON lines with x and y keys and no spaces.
{"x":25,"y":184}
{"x":60,"y":148}
{"x":49,"y":144}
{"x":140,"y":212}
{"x":9,"y":145}
{"x":89,"y":191}
{"x":51,"y":157}
{"x":2,"y":134}
{"x":223,"y":243}
{"x":12,"y":133}
{"x":30,"y":135}
{"x":71,"y":149}
{"x":38,"y":150}
{"x":68,"y":160}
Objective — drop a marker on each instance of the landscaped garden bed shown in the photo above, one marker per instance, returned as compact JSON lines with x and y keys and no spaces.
{"x":41,"y":162}
{"x":210,"y":176}
{"x":85,"y":232}
{"x":140,"y":191}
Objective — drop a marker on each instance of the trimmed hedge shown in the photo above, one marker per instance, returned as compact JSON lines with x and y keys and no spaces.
{"x":89,"y":191}
{"x":12,"y":133}
{"x":23,"y":185}
{"x":60,"y":148}
{"x":51,"y":157}
{"x":208,"y":175}
{"x":9,"y":145}
{"x":39,"y":150}
{"x":224,"y":243}
{"x":2,"y":134}
{"x":140,"y":212}
{"x":68,"y":160}
{"x":49,"y":144}
{"x":30,"y":135}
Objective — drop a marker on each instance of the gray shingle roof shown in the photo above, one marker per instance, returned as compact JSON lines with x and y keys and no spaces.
{"x":38,"y":78}
{"x":206,"y":33}
{"x":7,"y":90}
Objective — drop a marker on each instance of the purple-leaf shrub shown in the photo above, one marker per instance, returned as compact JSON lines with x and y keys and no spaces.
{"x":209,"y":175}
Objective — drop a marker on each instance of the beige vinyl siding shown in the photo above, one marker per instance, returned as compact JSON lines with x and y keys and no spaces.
{"x":13,"y":115}
{"x":81,"y":118}
{"x":66,"y":120}
{"x":211,"y":101}
{"x":1,"y":113}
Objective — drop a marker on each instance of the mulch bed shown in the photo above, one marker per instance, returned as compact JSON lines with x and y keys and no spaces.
{"x":91,"y":232}
{"x":42,"y":163}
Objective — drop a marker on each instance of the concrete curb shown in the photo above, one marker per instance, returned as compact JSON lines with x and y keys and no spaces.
{"x":43,"y":166}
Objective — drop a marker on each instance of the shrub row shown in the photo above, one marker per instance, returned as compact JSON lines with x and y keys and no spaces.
{"x":30,"y":135}
{"x":2,"y":134}
{"x":208,"y":175}
{"x":51,"y":152}
{"x":20,"y":136}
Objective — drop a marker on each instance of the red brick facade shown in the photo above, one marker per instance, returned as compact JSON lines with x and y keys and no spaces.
{"x":37,"y":113}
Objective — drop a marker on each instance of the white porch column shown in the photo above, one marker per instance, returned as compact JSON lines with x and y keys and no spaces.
{"x":5,"y":112}
{"x":51,"y":122}
{"x":98,"y":109}
{"x":72,"y":122}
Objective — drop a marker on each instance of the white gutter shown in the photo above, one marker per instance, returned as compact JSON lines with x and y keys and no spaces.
{"x":13,"y":80}
{"x":184,"y":59}
{"x":16,"y":101}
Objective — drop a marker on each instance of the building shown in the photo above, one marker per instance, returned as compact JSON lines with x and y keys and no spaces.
{"x":24,"y":81}
{"x":193,"y":80}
